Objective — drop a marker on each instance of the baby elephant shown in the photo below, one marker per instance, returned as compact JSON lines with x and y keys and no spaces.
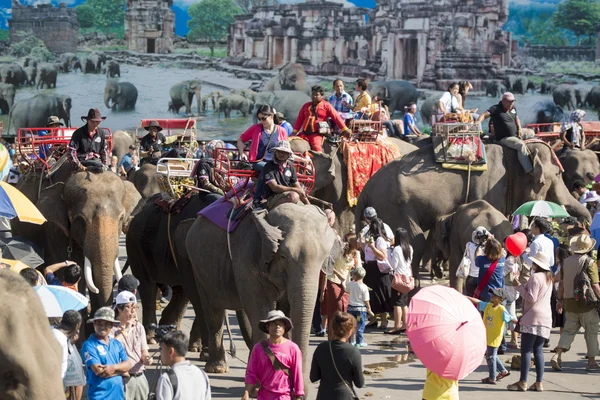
{"x":235,"y":102}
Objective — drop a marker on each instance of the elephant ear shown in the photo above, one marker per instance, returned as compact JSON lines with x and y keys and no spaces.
{"x":52,"y":206}
{"x":270,"y":237}
{"x":132,"y":203}
{"x":538,"y":171}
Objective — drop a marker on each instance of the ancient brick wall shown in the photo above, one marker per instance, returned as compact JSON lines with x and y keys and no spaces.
{"x":563,"y":53}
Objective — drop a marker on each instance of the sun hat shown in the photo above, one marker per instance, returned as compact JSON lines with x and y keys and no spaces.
{"x":153,"y":124}
{"x":591,"y":197}
{"x":126,"y":297}
{"x":282,"y":145}
{"x":53,"y":120}
{"x":508,"y":96}
{"x":104,"y":314}
{"x":94,"y":115}
{"x":370,"y":213}
{"x":541,"y":260}
{"x":497,"y":292}
{"x":275,"y":315}
{"x":128,"y":283}
{"x":280,"y":115}
{"x":582,"y":244}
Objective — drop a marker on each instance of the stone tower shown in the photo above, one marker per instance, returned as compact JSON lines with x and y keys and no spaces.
{"x":150,"y":26}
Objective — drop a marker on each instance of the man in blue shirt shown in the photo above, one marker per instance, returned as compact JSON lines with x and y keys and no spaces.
{"x":105,"y":359}
{"x":340,"y":100}
{"x":284,"y":124}
{"x":127,"y":161}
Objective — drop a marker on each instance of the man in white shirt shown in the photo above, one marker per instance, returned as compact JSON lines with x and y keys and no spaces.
{"x":540,"y":243}
{"x":369,"y":214}
{"x":190,"y":382}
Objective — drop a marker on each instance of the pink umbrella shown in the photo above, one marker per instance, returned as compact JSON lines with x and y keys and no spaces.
{"x":446,"y":332}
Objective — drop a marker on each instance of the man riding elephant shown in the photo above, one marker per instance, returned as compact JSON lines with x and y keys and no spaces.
{"x":153,"y":142}
{"x":88,"y":148}
{"x":507,"y":128}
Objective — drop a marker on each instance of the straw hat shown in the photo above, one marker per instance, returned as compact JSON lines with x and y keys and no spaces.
{"x":53,"y":120}
{"x":582,"y":244}
{"x":541,"y":260}
{"x":275,"y":315}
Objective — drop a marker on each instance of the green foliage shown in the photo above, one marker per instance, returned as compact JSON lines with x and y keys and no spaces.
{"x":4,"y":34}
{"x":572,"y":67}
{"x":210,"y":20}
{"x":30,"y":46}
{"x":578,"y":16}
{"x":85,"y":15}
{"x":532,"y":23}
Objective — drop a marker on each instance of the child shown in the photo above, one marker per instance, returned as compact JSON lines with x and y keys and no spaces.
{"x":358,"y":305}
{"x":494,"y":318}
{"x":437,"y":388}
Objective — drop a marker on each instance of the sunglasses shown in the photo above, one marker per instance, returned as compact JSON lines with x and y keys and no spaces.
{"x":264,"y":118}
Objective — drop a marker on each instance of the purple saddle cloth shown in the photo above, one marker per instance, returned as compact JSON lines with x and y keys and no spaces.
{"x":219,"y":211}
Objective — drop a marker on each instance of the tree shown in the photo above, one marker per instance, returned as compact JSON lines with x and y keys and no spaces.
{"x":107,"y":13}
{"x":85,"y":15}
{"x":578,"y":16}
{"x":210,"y":20}
{"x":246,"y":6}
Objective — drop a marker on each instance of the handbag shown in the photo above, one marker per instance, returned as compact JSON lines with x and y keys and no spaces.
{"x":465,"y":266}
{"x":351,"y":389}
{"x":403,"y":283}
{"x":384,"y":265}
{"x":324,"y":128}
{"x":518,"y":325}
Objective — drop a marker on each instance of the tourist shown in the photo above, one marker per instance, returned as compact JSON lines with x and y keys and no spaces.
{"x":359,"y":303}
{"x":541,"y":243}
{"x":67,"y":333}
{"x":129,"y":283}
{"x":448,"y":103}
{"x":283,"y":123}
{"x":69,"y":325}
{"x":114,"y":165}
{"x":263,"y":136}
{"x":340,"y":100}
{"x":126,"y":163}
{"x":578,"y":313}
{"x":87,"y":148}
{"x":461,"y":97}
{"x":381,"y":112}
{"x":580,"y":190}
{"x":275,"y":363}
{"x":558,"y":320}
{"x":132,"y":336}
{"x":336,"y":364}
{"x":152,"y":143}
{"x":507,"y":128}
{"x":401,"y":264}
{"x":362,"y":102}
{"x":105,"y":359}
{"x":183,"y":381}
{"x":71,"y":276}
{"x":44,"y":149}
{"x":478,"y":238}
{"x":535,"y":322}
{"x":313,"y":120}
{"x":32,"y":276}
{"x":410,"y":125}
{"x":571,"y":131}
{"x":437,"y":388}
{"x":490,"y":262}
{"x":512,"y":274}
{"x":369,"y":214}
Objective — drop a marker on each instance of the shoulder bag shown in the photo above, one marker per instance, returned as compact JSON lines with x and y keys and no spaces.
{"x":350,"y":388}
{"x":465,"y":265}
{"x":518,"y":324}
{"x":277,"y":364}
{"x":486,"y":279}
{"x":403,"y":283}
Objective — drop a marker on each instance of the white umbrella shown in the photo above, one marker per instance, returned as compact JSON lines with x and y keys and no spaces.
{"x":58,"y":299}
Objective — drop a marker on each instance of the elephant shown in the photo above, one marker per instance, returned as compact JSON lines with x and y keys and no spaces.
{"x":564,"y":97}
{"x":13,"y":74}
{"x":428,"y":106}
{"x":47,"y":74}
{"x":35,"y":111}
{"x":30,"y":75}
{"x":266,"y":259}
{"x":493,"y":88}
{"x":85,"y":215}
{"x":67,"y":60}
{"x":90,"y":64}
{"x":452,"y":232}
{"x":290,"y":77}
{"x":144,"y":180}
{"x":581,"y":94}
{"x":593,"y":98}
{"x":7,"y":97}
{"x":530,"y":85}
{"x":204,"y":103}
{"x":77,"y":66}
{"x":123,"y":95}
{"x":30,"y":62}
{"x":61,"y":67}
{"x":288,"y":102}
{"x":395,"y":94}
{"x":99,"y":58}
{"x":182,"y":94}
{"x":112,"y":69}
{"x":234,"y":102}
{"x":578,"y":163}
{"x":509,"y":81}
{"x":121,"y":140}
{"x":215,"y":96}
{"x":547,"y":112}
{"x":520,"y":85}
{"x":405,"y":192}
{"x":31,"y":358}
{"x":247,"y":93}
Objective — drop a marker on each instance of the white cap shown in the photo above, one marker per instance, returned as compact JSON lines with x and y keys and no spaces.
{"x":125,"y":297}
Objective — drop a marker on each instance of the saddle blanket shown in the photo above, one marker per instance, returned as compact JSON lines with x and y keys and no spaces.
{"x":219,"y":212}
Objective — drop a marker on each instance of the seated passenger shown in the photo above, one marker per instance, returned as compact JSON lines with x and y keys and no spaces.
{"x":280,"y":180}
{"x":571,"y":132}
{"x":448,"y":103}
{"x":507,"y":128}
{"x":87,"y":148}
{"x":205,"y":178}
{"x":153,"y":142}
{"x":283,"y":123}
{"x":362,"y":103}
{"x":410,"y":125}
{"x":53,"y":122}
{"x":312,"y":122}
{"x":461,"y":97}
{"x":340,"y":100}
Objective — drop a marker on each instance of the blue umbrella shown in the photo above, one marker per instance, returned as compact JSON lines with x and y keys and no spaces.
{"x":58,"y":299}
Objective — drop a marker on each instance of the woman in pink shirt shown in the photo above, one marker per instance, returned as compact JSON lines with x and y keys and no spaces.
{"x":264,"y":135}
{"x":284,"y":382}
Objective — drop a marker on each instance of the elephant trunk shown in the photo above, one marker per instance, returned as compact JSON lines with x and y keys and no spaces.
{"x":107,"y":100}
{"x":560,"y":194}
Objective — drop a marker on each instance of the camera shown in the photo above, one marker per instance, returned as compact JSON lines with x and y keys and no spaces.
{"x":161,"y":330}
{"x":481,"y":237}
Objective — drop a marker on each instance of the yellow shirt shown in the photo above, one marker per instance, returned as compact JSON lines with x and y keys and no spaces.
{"x":494,"y":319}
{"x":362,"y":100}
{"x":438,"y":388}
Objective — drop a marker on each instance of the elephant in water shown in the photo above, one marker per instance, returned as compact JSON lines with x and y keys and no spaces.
{"x":182,"y":94}
{"x":234,"y":102}
{"x":7,"y":97}
{"x":47,"y":74}
{"x":406,"y":192}
{"x":453,"y":232}
{"x":30,"y":358}
{"x":268,"y":259}
{"x":290,"y":77}
{"x":35,"y":111}
{"x":123,"y":95}
{"x":564,"y":97}
{"x":547,"y":112}
{"x":288,"y":102}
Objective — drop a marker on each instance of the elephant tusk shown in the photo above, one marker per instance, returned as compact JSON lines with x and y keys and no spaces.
{"x":89,"y":280}
{"x":117,"y":268}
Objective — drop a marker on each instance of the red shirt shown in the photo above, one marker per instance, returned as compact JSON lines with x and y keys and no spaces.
{"x":309,"y":117}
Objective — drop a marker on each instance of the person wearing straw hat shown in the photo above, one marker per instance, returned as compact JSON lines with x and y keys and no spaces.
{"x":105,"y":358}
{"x":154,"y":140}
{"x":279,"y":180}
{"x":578,"y":314}
{"x":87,"y":148}
{"x":53,"y":122}
{"x":276,"y":362}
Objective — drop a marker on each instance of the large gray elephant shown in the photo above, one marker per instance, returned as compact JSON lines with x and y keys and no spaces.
{"x":581,"y":94}
{"x":564,"y":97}
{"x":7,"y":97}
{"x":47,"y":74}
{"x":520,"y":85}
{"x":34,"y":111}
{"x":67,"y":60}
{"x":112,"y":69}
{"x":232,"y":102}
{"x":547,"y":112}
{"x":428,"y":106}
{"x":30,"y":358}
{"x":290,"y":77}
{"x":288,"y":102}
{"x":493,"y":88}
{"x":85,"y":215}
{"x":509,"y":81}
{"x":30,"y":75}
{"x":91,"y":64}
{"x":144,"y":180}
{"x":453,"y":232}
{"x":406,"y":192}
{"x":120,"y":95}
{"x":593,"y":98}
{"x":578,"y":163}
{"x":395,"y":94}
{"x":267,"y":259}
{"x":13,"y":74}
{"x":182,"y":94}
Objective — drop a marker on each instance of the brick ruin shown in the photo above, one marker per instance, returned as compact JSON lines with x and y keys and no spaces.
{"x":427,"y":42}
{"x":56,"y":26}
{"x":150,"y":26}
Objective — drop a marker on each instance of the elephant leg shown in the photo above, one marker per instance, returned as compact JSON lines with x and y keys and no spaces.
{"x":245,"y":327}
{"x":419,"y":244}
{"x":216,"y":352}
{"x":148,"y":291}
{"x":173,"y":313}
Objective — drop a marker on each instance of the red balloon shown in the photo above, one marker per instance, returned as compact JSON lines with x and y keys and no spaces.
{"x":516,"y":244}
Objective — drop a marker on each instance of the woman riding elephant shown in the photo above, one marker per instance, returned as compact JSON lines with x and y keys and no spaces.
{"x":406,"y":191}
{"x":448,"y":102}
{"x":571,"y":131}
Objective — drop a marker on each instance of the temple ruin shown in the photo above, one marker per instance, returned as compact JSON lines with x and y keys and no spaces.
{"x":427,"y":42}
{"x":56,"y":26}
{"x":150,"y":26}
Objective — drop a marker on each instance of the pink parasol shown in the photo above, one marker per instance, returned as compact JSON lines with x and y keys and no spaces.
{"x":446,"y":332}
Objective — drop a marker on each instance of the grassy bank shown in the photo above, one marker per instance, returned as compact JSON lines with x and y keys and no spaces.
{"x":571,"y":67}
{"x":220,"y":52}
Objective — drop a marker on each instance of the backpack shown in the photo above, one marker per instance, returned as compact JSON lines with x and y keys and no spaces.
{"x":582,"y":287}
